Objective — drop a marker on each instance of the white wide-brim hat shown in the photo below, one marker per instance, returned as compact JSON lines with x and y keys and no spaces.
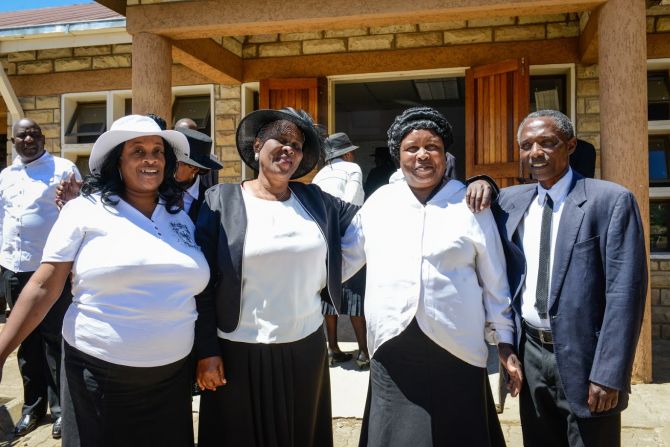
{"x":127,"y":128}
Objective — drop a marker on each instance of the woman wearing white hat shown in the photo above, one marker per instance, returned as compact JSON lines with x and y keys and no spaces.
{"x":135,"y":269}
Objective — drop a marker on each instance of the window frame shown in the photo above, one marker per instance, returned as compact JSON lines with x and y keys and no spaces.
{"x":115,"y":109}
{"x":658,"y":127}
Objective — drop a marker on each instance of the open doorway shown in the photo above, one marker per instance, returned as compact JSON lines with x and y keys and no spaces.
{"x":364,"y":110}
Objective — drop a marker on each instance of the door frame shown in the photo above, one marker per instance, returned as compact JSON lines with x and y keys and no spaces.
{"x":381,"y":77}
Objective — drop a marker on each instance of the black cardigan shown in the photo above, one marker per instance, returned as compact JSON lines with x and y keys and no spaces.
{"x":220,"y":232}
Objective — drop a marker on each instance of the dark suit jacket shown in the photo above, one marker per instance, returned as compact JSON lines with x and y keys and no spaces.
{"x":598,"y":286}
{"x":197,"y":203}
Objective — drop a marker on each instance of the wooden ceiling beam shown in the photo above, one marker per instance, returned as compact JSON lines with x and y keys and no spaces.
{"x":208,"y":58}
{"x":115,"y":5}
{"x":207,"y":18}
{"x":588,"y":39}
{"x":92,"y":81}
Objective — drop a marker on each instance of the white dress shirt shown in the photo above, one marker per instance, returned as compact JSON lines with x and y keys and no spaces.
{"x":342,"y":179}
{"x":530,"y":230}
{"x":28,"y":210}
{"x":191,"y":194}
{"x":134,"y":281}
{"x":439,"y":263}
{"x":283,"y":272}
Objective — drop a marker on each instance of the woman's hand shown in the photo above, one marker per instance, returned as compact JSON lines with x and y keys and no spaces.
{"x":209,"y":373}
{"x":513,"y":366}
{"x":478,"y":195}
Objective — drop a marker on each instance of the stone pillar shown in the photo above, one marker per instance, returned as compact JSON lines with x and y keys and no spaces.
{"x":622,"y":59}
{"x":152,"y":75}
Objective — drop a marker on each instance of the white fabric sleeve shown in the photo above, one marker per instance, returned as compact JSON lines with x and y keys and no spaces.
{"x":77,"y":175}
{"x":353,"y":248}
{"x":353,"y":190}
{"x":492,"y":273}
{"x":67,"y":233}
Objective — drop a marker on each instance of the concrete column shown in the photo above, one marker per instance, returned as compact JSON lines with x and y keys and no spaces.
{"x":152,"y":75}
{"x":622,"y":60}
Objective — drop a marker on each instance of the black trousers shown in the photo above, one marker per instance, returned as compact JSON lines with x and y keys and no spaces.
{"x":546,"y":418}
{"x":39,"y":355}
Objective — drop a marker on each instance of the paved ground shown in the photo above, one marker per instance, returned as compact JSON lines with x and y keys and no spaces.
{"x":645,"y":423}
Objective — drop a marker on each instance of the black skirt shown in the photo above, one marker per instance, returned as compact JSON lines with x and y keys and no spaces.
{"x":276,"y":395}
{"x":420,"y":395}
{"x":110,"y":405}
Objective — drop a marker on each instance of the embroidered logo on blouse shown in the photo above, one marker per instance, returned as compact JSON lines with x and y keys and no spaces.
{"x":183,"y":234}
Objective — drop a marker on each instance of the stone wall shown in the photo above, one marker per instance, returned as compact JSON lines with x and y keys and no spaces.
{"x":587,"y":107}
{"x":404,"y":36}
{"x":660,"y":298}
{"x":68,"y":59}
{"x":45,"y":111}
{"x":227,"y":109}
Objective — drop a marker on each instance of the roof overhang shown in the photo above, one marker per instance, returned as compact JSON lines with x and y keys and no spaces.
{"x":209,"y":18}
{"x":66,"y":35}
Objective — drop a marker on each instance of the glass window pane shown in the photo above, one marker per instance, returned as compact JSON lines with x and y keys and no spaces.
{"x":548,"y":92}
{"x":658,"y":94}
{"x":88,"y":122}
{"x":195,"y":107}
{"x":659,"y":155}
{"x":659,"y":223}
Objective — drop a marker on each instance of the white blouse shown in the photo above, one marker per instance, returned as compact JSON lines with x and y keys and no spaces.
{"x":439,"y":263}
{"x":134,"y":281}
{"x":283,"y":272}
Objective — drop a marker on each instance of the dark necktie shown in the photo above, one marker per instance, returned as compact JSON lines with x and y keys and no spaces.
{"x":542,"y":291}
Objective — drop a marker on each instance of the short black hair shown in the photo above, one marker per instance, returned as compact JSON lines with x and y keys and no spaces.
{"x":109,"y":182}
{"x":160,"y":121}
{"x":416,"y":118}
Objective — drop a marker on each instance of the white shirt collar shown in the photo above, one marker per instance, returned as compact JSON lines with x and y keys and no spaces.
{"x":194,"y":189}
{"x":38,"y":160}
{"x":558,"y":192}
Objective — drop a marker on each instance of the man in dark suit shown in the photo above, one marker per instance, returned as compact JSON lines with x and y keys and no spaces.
{"x":577,"y":271}
{"x":193,"y":171}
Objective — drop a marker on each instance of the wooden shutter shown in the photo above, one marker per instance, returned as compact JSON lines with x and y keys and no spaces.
{"x":496,"y":100}
{"x":299,"y":93}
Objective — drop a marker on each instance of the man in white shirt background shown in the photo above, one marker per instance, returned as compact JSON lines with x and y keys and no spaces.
{"x":342,"y":178}
{"x":27,"y":213}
